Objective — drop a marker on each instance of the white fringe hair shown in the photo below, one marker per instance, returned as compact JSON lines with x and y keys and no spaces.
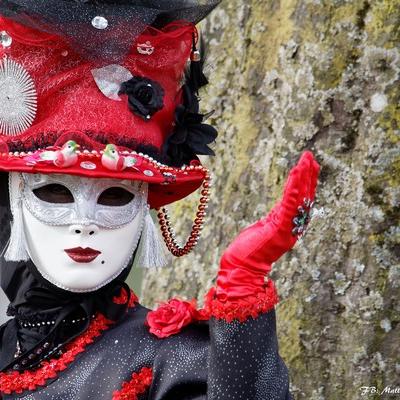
{"x":17,"y":248}
{"x":152,"y":251}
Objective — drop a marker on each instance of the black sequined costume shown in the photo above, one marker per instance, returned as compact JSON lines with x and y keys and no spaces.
{"x":219,"y":360}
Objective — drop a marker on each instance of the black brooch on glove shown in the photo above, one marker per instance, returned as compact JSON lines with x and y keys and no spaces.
{"x":145,"y":97}
{"x":303,"y":218}
{"x":191,"y":136}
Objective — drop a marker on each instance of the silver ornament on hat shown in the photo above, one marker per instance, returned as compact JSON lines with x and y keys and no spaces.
{"x":5,"y":39}
{"x":18,"y":98}
{"x":110,"y":78}
{"x":100,"y":22}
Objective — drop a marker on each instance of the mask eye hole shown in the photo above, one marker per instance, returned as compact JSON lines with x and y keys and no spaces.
{"x":115,"y":196}
{"x":54,"y":193}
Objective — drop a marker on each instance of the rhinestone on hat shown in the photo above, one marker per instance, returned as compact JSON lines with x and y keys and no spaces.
{"x":88,"y":165}
{"x":5,"y":39}
{"x":145,"y":48}
{"x":18,"y":98}
{"x":100,"y":22}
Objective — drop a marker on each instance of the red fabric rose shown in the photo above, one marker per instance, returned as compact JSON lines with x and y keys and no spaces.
{"x":170,"y":317}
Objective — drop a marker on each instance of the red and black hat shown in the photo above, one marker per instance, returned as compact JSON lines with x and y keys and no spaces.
{"x":104,"y":89}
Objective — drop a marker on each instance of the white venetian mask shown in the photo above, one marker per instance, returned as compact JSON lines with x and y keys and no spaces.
{"x":79,"y":232}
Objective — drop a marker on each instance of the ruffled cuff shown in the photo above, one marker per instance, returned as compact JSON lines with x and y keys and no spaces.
{"x":244,"y":308}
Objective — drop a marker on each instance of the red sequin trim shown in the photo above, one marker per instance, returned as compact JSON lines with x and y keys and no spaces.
{"x":139,"y":383}
{"x":242,"y":309}
{"x":15,"y":381}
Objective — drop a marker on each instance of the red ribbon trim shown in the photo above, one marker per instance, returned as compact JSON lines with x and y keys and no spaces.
{"x":242,"y":309}
{"x":139,"y":383}
{"x":123,"y":298}
{"x":15,"y":381}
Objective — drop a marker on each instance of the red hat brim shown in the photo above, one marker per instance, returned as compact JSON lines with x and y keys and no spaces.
{"x":166,"y":184}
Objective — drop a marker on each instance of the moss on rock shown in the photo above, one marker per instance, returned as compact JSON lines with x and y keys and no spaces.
{"x":287,"y":76}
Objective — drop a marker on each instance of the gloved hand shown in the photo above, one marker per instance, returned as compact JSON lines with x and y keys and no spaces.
{"x":247,"y":261}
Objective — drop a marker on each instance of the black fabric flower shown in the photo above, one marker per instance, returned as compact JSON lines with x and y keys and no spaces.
{"x":191,"y":136}
{"x":145,"y":96}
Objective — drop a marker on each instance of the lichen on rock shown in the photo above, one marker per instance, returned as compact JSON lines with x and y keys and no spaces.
{"x":287,"y":76}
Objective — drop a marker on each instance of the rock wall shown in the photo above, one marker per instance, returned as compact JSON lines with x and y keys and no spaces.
{"x":287,"y":76}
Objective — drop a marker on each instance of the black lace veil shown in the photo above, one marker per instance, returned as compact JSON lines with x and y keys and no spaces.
{"x":118,"y":23}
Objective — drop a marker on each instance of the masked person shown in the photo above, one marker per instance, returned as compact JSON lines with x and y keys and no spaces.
{"x":99,"y":123}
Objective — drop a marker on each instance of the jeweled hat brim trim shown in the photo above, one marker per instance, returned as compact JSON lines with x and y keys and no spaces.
{"x":166,"y":184}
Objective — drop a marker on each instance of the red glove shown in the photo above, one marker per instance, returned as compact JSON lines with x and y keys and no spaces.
{"x":247,"y":261}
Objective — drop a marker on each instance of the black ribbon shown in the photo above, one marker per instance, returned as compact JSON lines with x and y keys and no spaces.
{"x":63,"y":305}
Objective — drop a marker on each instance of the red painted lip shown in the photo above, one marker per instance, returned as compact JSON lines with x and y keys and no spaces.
{"x":80,"y":255}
